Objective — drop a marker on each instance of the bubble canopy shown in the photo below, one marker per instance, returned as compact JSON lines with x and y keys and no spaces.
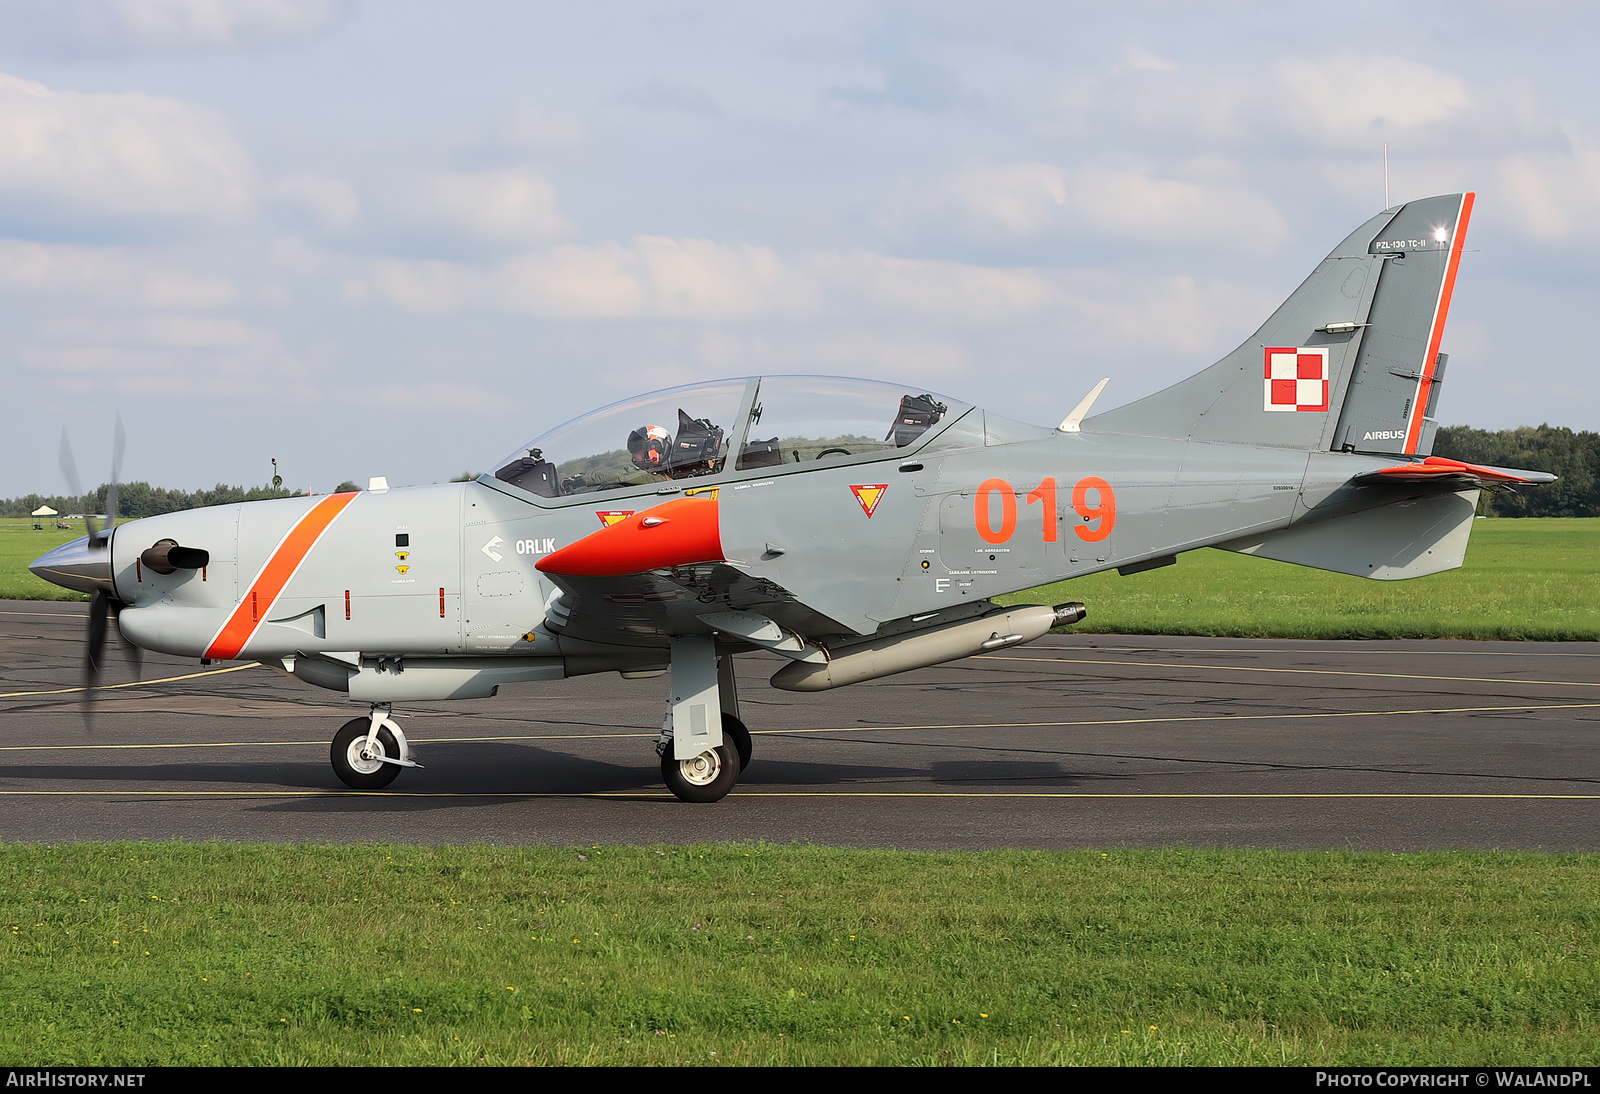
{"x":705,"y":431}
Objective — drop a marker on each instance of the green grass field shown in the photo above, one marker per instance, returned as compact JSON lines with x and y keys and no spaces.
{"x":147,"y":954}
{"x":1534,"y":578}
{"x":20,"y":544}
{"x":1528,"y":579}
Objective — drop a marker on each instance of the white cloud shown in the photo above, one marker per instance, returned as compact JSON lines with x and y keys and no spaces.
{"x":187,"y":24}
{"x":538,"y":129}
{"x":851,"y":351}
{"x":1122,"y":315}
{"x":159,"y":354}
{"x":514,"y":206}
{"x":1136,"y":58}
{"x":1553,"y":197}
{"x":422,"y":286}
{"x":1141,"y":102}
{"x":1132,"y":204}
{"x":939,"y":291}
{"x":127,"y":157}
{"x":1020,"y":198}
{"x":161,"y":331}
{"x":105,"y":275}
{"x":1026,"y":198}
{"x":1327,"y":100}
{"x":437,"y":396}
{"x":124,"y":27}
{"x":655,"y":277}
{"x":331,"y":201}
{"x":652,"y":278}
{"x":1350,"y":99}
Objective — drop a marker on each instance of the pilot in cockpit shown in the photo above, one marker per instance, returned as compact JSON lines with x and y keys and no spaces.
{"x":649,"y":447}
{"x":695,"y":450}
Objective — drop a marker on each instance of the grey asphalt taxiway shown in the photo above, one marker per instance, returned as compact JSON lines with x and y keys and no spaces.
{"x":1073,"y":741}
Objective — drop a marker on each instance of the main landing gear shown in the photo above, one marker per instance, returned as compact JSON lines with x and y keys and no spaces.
{"x":369,"y":752}
{"x":703,"y":746}
{"x":710,"y":774}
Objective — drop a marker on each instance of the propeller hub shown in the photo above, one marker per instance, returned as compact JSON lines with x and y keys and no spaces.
{"x":83,"y":565}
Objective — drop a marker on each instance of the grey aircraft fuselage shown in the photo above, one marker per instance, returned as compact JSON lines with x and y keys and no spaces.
{"x":853,"y":558}
{"x":952,"y":525}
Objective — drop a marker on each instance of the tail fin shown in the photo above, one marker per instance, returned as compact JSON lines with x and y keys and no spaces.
{"x":1350,"y":362}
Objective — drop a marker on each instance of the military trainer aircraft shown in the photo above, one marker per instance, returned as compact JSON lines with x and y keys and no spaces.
{"x":854,"y":528}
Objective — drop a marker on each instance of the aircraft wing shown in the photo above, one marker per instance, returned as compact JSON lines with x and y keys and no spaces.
{"x":1454,"y":472}
{"x":660,"y":572}
{"x":646,"y":607}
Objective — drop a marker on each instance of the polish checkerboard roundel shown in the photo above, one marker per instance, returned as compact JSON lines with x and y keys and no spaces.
{"x":1296,"y":378}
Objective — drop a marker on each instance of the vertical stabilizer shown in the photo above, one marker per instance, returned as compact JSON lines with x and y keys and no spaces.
{"x":1393,"y":387}
{"x":1349,"y":362}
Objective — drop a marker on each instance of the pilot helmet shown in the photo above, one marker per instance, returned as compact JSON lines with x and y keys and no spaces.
{"x":648,"y":447}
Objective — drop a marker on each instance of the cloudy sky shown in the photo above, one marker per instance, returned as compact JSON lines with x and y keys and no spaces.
{"x":400,"y":238}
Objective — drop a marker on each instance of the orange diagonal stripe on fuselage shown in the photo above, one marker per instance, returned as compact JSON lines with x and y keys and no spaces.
{"x":274,"y":576}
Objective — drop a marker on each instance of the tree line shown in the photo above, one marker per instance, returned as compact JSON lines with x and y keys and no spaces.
{"x":140,"y":499}
{"x":1575,"y":457}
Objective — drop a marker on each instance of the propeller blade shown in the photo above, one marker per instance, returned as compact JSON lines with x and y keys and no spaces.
{"x":69,"y":471}
{"x":94,"y":650}
{"x":69,"y":466}
{"x":119,"y":441}
{"x":134,"y":653}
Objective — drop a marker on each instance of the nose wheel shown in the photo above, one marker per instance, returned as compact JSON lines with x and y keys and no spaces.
{"x":369,"y":752}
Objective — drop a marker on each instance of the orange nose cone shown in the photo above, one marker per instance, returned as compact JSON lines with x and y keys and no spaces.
{"x":676,"y":533}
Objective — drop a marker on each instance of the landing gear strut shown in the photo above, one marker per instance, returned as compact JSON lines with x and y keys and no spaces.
{"x":704,"y":747}
{"x":369,"y":752}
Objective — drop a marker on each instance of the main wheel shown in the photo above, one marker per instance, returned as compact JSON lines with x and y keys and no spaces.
{"x":734,"y":730}
{"x":704,"y":778}
{"x":350,"y":762}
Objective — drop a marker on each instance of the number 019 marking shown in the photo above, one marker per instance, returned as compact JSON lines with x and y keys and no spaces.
{"x":1105,"y":512}
{"x":1102,"y":515}
{"x":1008,"y":511}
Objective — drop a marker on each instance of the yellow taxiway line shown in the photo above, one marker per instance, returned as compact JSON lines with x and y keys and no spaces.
{"x":134,"y":683}
{"x":1087,"y":722}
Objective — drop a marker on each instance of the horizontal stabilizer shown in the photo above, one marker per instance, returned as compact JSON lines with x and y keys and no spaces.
{"x":1392,"y":542}
{"x":1439,"y":469}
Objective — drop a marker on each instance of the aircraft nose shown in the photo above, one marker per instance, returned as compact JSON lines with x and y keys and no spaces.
{"x":79,"y":565}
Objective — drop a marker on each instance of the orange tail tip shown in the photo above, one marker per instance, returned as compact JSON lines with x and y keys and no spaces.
{"x":676,"y":533}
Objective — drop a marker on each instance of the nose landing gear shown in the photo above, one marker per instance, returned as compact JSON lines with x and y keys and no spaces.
{"x":369,"y":752}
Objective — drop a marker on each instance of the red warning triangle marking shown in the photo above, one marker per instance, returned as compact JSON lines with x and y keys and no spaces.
{"x":868,"y":496}
{"x":608,"y":517}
